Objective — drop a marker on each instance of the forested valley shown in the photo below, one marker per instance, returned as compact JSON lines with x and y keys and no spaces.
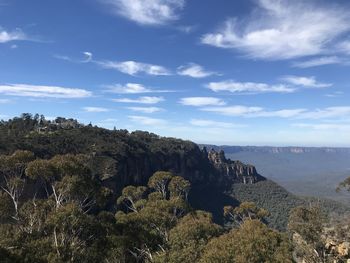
{"x":80,"y":193}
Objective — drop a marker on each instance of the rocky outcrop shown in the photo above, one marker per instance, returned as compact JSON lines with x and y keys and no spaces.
{"x":188,"y":161}
{"x":234,"y":171}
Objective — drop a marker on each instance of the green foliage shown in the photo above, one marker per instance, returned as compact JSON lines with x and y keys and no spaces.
{"x":189,"y":237}
{"x":245,"y":211}
{"x":344,"y":185}
{"x":252,"y":242}
{"x":308,"y":222}
{"x":179,"y":187}
{"x":306,"y":226}
{"x":159,"y":182}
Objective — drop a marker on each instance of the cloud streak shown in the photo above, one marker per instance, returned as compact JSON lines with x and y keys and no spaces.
{"x":214,"y":124}
{"x":201,"y":101}
{"x":147,"y":120}
{"x":140,"y":100}
{"x":133,"y":88}
{"x":38,"y":91}
{"x":134,"y":68}
{"x":320,"y":61}
{"x":322,"y":126}
{"x":145,"y":109}
{"x":95,"y":109}
{"x":147,"y":12}
{"x":248,"y":87}
{"x":195,"y":71}
{"x":309,"y":82}
{"x":299,"y":113}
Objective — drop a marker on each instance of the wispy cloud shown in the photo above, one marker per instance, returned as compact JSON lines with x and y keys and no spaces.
{"x":201,"y":101}
{"x":320,"y":61}
{"x":214,"y":124}
{"x":140,"y":100}
{"x":329,"y":112}
{"x":147,"y":12}
{"x":309,"y":82}
{"x":257,"y":112}
{"x":95,"y":109}
{"x":133,"y":88}
{"x":344,"y":46}
{"x":284,"y":29}
{"x":4,"y":101}
{"x":38,"y":91}
{"x":234,"y":110}
{"x":147,"y":120}
{"x":129,"y":67}
{"x":187,"y":29}
{"x":248,"y":87}
{"x":145,"y":109}
{"x":8,"y":36}
{"x":87,"y":58}
{"x":334,"y":94}
{"x":134,"y":68}
{"x":323,"y":126}
{"x":195,"y":71}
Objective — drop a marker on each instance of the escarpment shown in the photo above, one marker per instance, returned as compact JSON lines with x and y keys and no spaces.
{"x":119,"y":158}
{"x":184,"y":158}
{"x":235,"y":171}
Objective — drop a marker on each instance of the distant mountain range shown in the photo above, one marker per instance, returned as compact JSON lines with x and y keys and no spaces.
{"x":272,"y":149}
{"x":314,"y":171}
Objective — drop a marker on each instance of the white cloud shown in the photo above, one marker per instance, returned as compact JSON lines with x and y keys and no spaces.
{"x":323,"y":126}
{"x":140,"y":100}
{"x":88,"y":56}
{"x":259,"y":112}
{"x":16,"y":35}
{"x":129,"y":88}
{"x":309,"y":82}
{"x":249,"y":87}
{"x":4,"y":101}
{"x":135,"y":68}
{"x":320,"y":61}
{"x":330,"y":112}
{"x":284,"y":29}
{"x":132,"y":88}
{"x":146,"y":109}
{"x":334,"y":94}
{"x":195,"y":71}
{"x":234,"y":110}
{"x":147,"y":121}
{"x":214,"y":124}
{"x":284,"y":113}
{"x":201,"y":101}
{"x":344,"y":46}
{"x":148,"y":12}
{"x":95,"y":109}
{"x":38,"y":91}
{"x":187,"y":29}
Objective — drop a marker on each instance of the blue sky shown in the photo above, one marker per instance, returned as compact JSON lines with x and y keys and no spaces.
{"x":245,"y":72}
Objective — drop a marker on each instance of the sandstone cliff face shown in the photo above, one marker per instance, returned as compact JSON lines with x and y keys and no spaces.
{"x":234,"y":171}
{"x":189,"y":161}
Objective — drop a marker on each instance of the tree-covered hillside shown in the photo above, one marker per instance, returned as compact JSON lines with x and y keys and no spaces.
{"x":76,"y":193}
